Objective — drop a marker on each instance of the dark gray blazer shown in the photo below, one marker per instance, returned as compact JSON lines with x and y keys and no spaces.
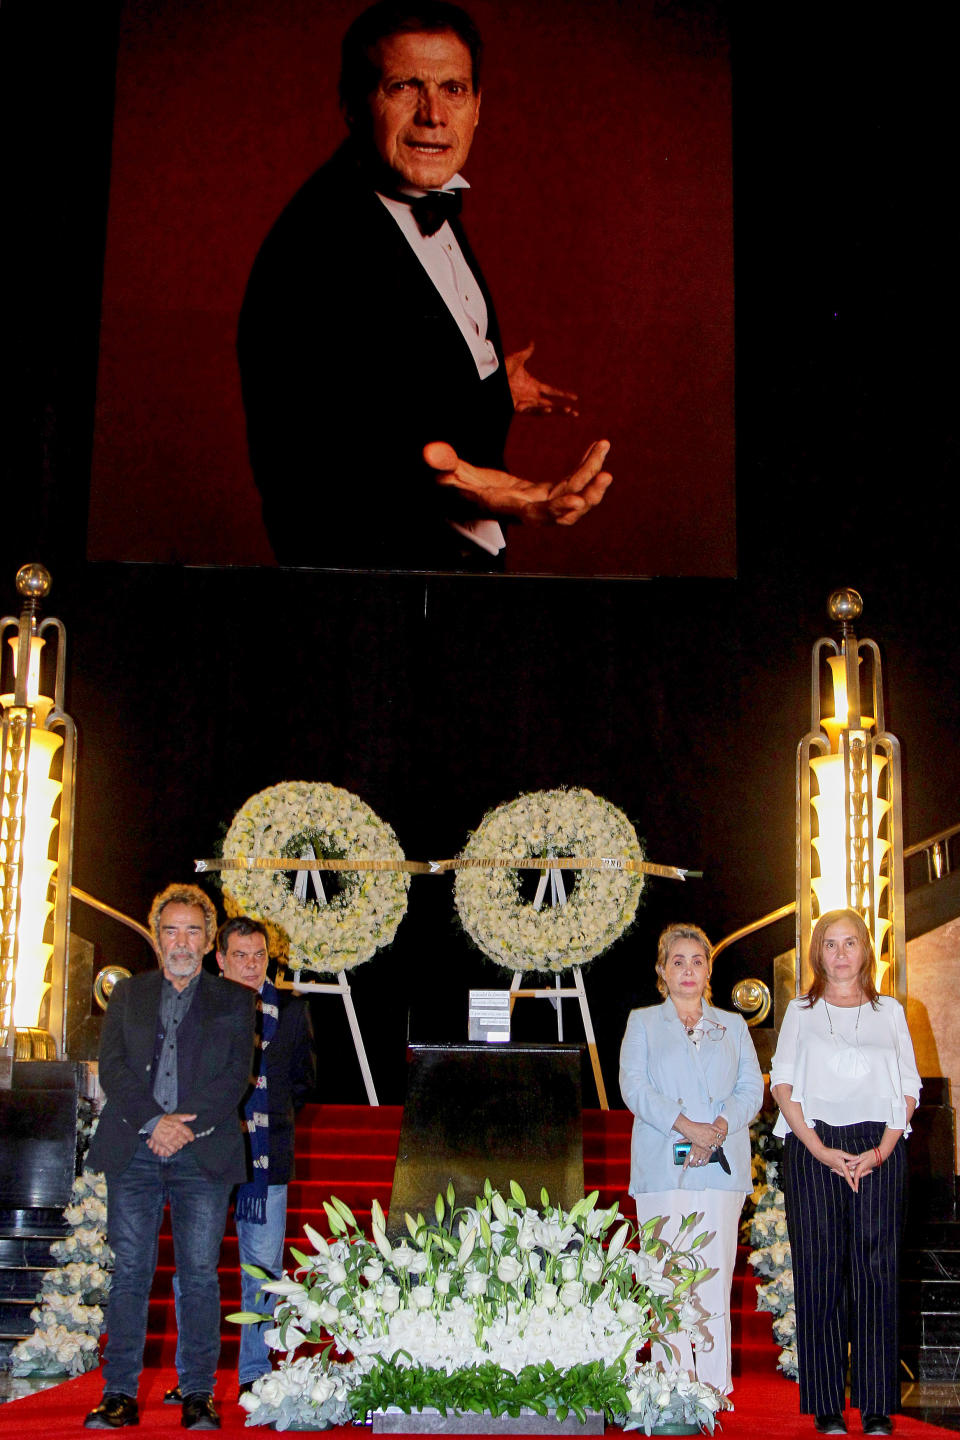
{"x":214,"y":1057}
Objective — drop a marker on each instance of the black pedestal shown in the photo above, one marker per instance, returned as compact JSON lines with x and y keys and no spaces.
{"x":503,"y":1112}
{"x":38,"y":1150}
{"x":38,"y":1134}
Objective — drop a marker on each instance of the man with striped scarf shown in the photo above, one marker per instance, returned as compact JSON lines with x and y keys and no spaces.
{"x":285,"y":1071}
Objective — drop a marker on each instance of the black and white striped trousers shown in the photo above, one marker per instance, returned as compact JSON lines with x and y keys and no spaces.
{"x":845,"y":1251}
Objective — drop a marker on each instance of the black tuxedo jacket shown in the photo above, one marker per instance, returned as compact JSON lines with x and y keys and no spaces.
{"x":214,"y":1056}
{"x":350,"y":363}
{"x":291,"y":1068}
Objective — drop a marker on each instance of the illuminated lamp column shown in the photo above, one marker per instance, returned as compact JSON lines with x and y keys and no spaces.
{"x":849,"y":825}
{"x":36,"y":831}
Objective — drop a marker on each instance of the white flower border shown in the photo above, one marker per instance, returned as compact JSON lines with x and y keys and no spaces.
{"x":306,"y":936}
{"x":766,"y":1230}
{"x":600,"y":907}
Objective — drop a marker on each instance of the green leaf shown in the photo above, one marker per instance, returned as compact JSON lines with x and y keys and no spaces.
{"x":247,"y":1317}
{"x":518,"y":1194}
{"x":256,"y":1272}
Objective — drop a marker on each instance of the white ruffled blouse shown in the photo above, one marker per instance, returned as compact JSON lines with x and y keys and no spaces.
{"x":846,"y":1064}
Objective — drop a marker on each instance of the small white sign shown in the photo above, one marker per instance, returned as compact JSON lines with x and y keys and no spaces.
{"x":489,"y":1017}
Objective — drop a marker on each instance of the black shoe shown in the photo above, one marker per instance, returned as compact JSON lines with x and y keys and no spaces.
{"x":112,"y":1412}
{"x":198,"y":1413}
{"x":876,"y":1425}
{"x":246,"y":1387}
{"x":173,"y":1396}
{"x":830,"y":1424}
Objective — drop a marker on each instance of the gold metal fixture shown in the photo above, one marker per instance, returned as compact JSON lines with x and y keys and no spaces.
{"x":752,"y":999}
{"x":849,"y":825}
{"x":37,"y":771}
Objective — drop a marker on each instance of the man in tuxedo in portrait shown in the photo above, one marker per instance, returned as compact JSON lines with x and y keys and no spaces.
{"x":377,"y":394}
{"x":284,"y":1072}
{"x":175,"y":1064}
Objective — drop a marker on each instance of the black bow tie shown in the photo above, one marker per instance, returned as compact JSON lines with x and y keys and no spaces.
{"x":431,"y":210}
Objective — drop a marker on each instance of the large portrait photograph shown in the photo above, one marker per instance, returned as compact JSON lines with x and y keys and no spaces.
{"x":419,"y":288}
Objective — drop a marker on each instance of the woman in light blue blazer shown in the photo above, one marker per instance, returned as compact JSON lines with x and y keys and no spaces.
{"x":690,"y":1075}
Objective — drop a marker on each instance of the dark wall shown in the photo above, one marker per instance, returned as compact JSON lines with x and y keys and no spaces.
{"x":680,"y":701}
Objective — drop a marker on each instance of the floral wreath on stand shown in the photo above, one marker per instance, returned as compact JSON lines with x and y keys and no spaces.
{"x":601,"y":903}
{"x":301,"y":818}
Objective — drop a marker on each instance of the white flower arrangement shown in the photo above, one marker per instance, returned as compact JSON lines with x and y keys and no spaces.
{"x":56,"y":1350}
{"x":69,"y":1317}
{"x":670,"y":1397}
{"x":357,"y":920}
{"x":305,"y":1394}
{"x":766,"y":1229}
{"x":549,"y":824}
{"x":490,"y":1307}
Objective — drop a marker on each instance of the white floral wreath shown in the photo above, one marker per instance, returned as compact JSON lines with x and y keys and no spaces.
{"x":356,"y":921}
{"x":601,"y":903}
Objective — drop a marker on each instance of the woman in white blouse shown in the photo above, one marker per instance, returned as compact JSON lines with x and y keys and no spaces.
{"x":846,"y":1081}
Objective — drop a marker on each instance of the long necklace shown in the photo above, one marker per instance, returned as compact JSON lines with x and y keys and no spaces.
{"x":856,"y":1028}
{"x":847,"y":1059}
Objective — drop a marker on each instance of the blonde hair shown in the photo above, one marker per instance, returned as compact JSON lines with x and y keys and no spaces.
{"x":668,"y":939}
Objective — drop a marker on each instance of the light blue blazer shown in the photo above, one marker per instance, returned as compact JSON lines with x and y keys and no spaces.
{"x":663,"y":1074}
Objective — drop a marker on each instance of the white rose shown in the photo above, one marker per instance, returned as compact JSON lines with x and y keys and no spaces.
{"x":372,"y":1271}
{"x":402,"y":1255}
{"x":271,"y":1391}
{"x":422,"y":1296}
{"x":571,"y":1293}
{"x":419,"y":1265}
{"x":592,"y":1268}
{"x":548,"y":1296}
{"x":568,"y":1268}
{"x":509,"y":1269}
{"x":337,"y":1272}
{"x":390,"y":1298}
{"x":443,"y":1282}
{"x":475,"y":1283}
{"x":328,"y":1314}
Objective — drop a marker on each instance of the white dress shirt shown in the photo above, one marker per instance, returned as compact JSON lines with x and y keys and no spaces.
{"x":846,"y":1064}
{"x":445,"y":263}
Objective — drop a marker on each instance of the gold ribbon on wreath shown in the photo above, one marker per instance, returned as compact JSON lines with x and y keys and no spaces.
{"x":439,"y":867}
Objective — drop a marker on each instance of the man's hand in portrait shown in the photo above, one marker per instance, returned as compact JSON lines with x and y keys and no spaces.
{"x":532,"y":396}
{"x":530,"y":502}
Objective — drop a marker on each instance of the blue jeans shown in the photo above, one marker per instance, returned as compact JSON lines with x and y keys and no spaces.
{"x":259,"y":1245}
{"x":198,"y":1214}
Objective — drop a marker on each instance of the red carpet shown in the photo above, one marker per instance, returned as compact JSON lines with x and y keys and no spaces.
{"x":349,"y":1151}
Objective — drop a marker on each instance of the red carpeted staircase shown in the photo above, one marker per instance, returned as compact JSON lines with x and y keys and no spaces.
{"x":349,"y":1151}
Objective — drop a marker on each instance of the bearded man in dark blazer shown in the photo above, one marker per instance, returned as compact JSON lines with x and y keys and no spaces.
{"x":377,"y":394}
{"x":175,"y":1063}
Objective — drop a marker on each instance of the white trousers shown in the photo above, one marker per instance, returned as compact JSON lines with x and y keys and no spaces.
{"x":720,"y":1216}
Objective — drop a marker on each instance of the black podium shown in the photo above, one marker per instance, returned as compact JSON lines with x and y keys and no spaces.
{"x":477,"y":1111}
